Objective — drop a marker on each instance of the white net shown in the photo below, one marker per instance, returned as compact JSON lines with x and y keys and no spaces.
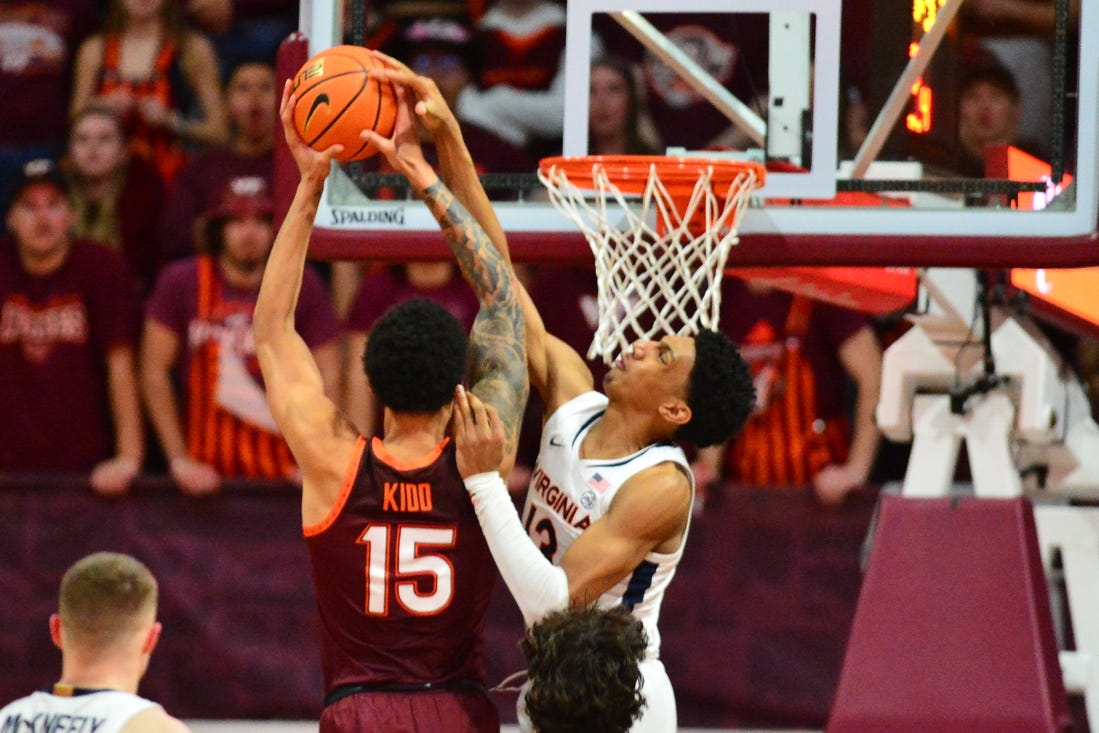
{"x":659,"y":258}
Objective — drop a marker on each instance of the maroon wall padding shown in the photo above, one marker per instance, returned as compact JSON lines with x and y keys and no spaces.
{"x":754,"y":625}
{"x":293,"y":52}
{"x":953,"y":631}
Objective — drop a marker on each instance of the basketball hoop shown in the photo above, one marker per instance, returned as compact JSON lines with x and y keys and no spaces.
{"x":660,"y":229}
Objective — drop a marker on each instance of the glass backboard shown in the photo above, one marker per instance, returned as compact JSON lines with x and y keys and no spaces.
{"x":871,"y":118}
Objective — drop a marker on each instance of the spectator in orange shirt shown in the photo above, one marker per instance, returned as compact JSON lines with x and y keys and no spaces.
{"x":199,"y":320}
{"x":153,"y":71}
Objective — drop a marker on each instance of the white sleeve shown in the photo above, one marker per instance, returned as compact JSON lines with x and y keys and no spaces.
{"x":537,"y":585}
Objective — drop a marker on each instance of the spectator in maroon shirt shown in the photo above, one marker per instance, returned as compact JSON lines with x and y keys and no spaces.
{"x":250,"y":103}
{"x":198,"y":326}
{"x":117,"y":197}
{"x":802,"y":354}
{"x":68,"y":327}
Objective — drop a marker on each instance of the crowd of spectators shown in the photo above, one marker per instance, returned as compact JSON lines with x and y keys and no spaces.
{"x":130,"y":172}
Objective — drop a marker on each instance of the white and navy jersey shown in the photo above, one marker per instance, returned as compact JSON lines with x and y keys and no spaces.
{"x":91,"y":711}
{"x":567,"y":494}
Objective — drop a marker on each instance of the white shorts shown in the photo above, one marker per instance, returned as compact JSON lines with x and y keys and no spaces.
{"x":657,"y":716}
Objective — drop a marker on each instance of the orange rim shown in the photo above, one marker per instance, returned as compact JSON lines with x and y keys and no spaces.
{"x":630,"y":173}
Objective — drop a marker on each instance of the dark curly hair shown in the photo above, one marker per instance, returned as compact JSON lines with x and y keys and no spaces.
{"x":720,"y":391}
{"x":583,"y":670}
{"x":415,"y":356}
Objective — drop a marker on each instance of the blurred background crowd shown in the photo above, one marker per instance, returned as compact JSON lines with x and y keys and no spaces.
{"x":136,"y":164}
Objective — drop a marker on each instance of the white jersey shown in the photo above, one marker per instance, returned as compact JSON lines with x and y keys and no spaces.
{"x":99,"y":711}
{"x":568,"y":493}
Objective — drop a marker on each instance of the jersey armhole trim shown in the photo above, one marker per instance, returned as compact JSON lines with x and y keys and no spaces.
{"x":345,"y":490}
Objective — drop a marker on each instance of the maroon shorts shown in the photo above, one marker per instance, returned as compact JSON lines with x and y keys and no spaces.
{"x":434,"y":711}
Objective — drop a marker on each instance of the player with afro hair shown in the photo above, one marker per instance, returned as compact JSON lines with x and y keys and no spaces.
{"x":720,"y":392}
{"x":416,"y":354}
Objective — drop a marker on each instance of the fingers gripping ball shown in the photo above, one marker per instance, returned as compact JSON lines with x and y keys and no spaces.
{"x":337,"y":96}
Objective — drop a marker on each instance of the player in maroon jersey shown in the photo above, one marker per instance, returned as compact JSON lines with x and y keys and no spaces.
{"x":401,"y":571}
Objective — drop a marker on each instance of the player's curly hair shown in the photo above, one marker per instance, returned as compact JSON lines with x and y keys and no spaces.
{"x":583,"y":669}
{"x":721,"y":394}
{"x":415,"y":356}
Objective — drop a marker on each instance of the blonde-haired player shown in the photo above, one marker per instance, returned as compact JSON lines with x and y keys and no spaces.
{"x":106,"y":629}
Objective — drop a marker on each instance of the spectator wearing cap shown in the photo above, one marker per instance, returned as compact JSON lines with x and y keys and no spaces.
{"x":251,"y":102}
{"x":1019,"y":34}
{"x":198,"y":327}
{"x":69,"y":314}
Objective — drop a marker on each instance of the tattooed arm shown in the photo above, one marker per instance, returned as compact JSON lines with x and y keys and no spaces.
{"x":554,"y":367}
{"x":498,"y":344}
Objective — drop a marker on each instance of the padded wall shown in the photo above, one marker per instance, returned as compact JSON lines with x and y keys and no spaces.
{"x":952,"y":632}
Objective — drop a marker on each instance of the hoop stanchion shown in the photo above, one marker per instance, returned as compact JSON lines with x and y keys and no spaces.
{"x":660,"y":229}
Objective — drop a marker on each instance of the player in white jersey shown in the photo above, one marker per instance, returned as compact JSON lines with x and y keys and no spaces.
{"x":568,"y":494}
{"x":610,"y":496}
{"x":106,"y":629}
{"x":78,"y":710}
{"x":623,"y":548}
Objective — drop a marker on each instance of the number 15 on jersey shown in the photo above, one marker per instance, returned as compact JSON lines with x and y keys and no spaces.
{"x":398,"y":560}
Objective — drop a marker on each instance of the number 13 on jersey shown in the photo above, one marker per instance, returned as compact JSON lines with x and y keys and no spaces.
{"x":397,"y":559}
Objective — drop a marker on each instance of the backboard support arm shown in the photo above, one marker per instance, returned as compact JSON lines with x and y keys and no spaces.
{"x":898,"y":98}
{"x":693,"y":75}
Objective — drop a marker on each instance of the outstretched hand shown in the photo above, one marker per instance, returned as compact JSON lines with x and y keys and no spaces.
{"x":402,"y":149}
{"x":428,"y":104}
{"x":478,"y":434}
{"x":313,"y":165}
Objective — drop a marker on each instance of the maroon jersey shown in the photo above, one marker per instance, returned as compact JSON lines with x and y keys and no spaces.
{"x":791,"y":344}
{"x":402,"y":574}
{"x":56,"y":333}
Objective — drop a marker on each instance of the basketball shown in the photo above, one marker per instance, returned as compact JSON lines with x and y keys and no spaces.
{"x":337,"y":96}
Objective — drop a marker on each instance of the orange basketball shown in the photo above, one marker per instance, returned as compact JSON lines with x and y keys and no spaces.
{"x":337,"y":96}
